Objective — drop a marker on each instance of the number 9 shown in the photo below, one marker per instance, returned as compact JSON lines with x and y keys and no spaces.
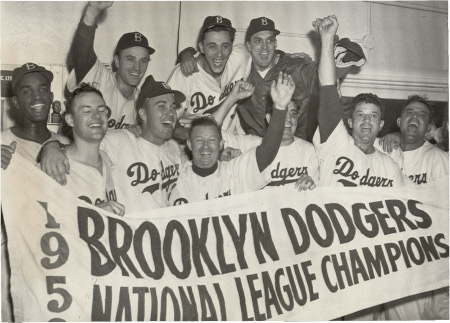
{"x":62,"y":250}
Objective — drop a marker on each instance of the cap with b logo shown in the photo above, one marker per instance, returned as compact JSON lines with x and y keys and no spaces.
{"x":260,"y":24}
{"x":152,"y":88}
{"x":27,"y":68}
{"x":131,"y":40}
{"x":212,"y":21}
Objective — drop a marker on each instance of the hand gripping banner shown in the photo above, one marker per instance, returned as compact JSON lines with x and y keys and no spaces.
{"x":274,"y":254}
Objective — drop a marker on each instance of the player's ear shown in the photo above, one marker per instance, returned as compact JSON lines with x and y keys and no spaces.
{"x":268,"y":117}
{"x":381,"y":124}
{"x":116,"y":60}
{"x":222,"y":143}
{"x":200,"y":46}
{"x":69,"y":119}
{"x":15,"y":103}
{"x":350,"y":123}
{"x":399,"y":120}
{"x":248,"y":45}
{"x":142,"y":114}
{"x":188,"y":143}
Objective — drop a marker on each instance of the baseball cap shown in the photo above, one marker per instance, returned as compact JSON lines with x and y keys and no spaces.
{"x":152,"y":88}
{"x":348,"y":53}
{"x":212,"y":21}
{"x":27,"y":68}
{"x":133,"y":39}
{"x":260,"y":24}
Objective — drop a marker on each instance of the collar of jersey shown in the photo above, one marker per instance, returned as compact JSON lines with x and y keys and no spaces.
{"x":203,"y":172}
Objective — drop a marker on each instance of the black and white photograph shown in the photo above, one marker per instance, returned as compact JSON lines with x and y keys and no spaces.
{"x":224,"y":161}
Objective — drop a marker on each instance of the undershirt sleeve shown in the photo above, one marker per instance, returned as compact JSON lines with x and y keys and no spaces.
{"x":330,"y":111}
{"x":267,"y":151}
{"x":82,"y":50}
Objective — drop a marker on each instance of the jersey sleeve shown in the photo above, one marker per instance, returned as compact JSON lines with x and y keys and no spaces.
{"x":63,"y":140}
{"x":314,"y":165}
{"x":399,"y":178}
{"x":239,"y":62}
{"x":439,"y":305}
{"x":82,"y":52}
{"x":330,"y":111}
{"x":339,"y":139}
{"x":97,"y":75}
{"x":246,"y":174}
{"x":396,"y":154}
{"x":241,"y":142}
{"x":176,"y":81}
{"x":440,"y":164}
{"x":112,"y":143}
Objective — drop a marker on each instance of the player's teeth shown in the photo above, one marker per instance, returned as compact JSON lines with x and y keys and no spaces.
{"x":37,"y":106}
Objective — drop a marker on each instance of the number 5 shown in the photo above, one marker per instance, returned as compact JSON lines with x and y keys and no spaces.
{"x":53,"y":305}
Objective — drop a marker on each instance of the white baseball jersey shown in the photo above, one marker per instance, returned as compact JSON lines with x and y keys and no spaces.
{"x":431,"y":305}
{"x":291,"y":162}
{"x":202,"y":91}
{"x":423,"y":165}
{"x":230,"y":178}
{"x":343,"y":163}
{"x":29,"y":149}
{"x":88,"y":184}
{"x":144,"y":173}
{"x":102,"y":78}
{"x":241,"y":142}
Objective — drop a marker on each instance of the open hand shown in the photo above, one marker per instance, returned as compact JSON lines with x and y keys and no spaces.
{"x":304,"y":183}
{"x":282,"y":90}
{"x":390,"y":142}
{"x":54,"y":162}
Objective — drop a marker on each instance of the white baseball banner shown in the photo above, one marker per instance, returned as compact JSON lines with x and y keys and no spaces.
{"x":274,"y":254}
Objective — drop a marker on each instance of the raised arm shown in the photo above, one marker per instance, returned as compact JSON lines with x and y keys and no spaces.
{"x":330,"y":106}
{"x":241,"y":90}
{"x":281,"y":92}
{"x":82,"y":50}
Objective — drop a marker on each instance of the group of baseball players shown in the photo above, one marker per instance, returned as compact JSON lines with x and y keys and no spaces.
{"x":230,"y":119}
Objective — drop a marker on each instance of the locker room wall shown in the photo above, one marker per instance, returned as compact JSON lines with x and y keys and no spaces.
{"x":406,"y":43}
{"x":42,"y":31}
